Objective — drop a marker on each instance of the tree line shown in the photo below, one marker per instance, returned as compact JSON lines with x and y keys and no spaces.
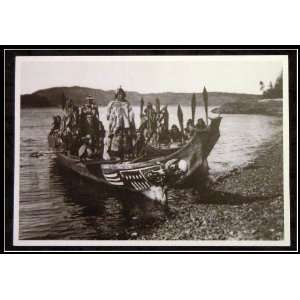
{"x":273,"y":90}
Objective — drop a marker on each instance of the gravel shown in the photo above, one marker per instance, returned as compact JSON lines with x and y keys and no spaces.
{"x":247,"y":204}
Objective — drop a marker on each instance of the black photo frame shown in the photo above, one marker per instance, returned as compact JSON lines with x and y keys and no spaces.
{"x":9,"y":53}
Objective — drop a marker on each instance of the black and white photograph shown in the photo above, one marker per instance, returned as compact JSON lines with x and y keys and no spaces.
{"x":151,"y":150}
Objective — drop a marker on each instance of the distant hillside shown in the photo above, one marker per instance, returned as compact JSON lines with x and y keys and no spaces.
{"x":54,"y":96}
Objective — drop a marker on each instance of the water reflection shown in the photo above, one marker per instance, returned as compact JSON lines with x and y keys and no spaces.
{"x":114,"y":214}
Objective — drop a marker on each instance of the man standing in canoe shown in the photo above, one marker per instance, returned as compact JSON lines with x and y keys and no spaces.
{"x":121,"y":132}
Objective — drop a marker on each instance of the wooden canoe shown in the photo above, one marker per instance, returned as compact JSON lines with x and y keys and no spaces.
{"x":152,"y":177}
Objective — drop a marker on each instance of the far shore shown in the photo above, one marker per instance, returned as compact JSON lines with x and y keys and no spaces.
{"x":272,"y":107}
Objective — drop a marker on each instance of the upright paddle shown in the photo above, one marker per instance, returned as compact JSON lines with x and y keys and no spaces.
{"x":142,"y":108}
{"x":166,"y":118}
{"x":205,"y":100}
{"x":180,"y":118}
{"x":158,"y":113}
{"x":63,"y":101}
{"x":157,"y":105}
{"x":157,"y":110}
{"x":193,"y":106}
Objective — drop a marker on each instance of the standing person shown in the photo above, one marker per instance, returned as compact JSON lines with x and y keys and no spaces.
{"x":122,"y":131}
{"x":90,"y":127}
{"x":90,"y":101}
{"x":91,"y":106}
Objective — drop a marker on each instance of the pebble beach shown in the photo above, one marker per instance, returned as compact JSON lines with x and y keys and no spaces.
{"x":246,"y":204}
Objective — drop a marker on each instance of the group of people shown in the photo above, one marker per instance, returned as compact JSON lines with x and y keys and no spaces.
{"x":82,"y":133}
{"x":80,"y":130}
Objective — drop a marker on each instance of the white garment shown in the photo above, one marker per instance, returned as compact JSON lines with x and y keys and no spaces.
{"x":120,"y":115}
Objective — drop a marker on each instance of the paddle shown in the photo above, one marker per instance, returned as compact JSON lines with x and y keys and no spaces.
{"x":193,"y":106}
{"x":205,"y":100}
{"x":142,"y":108}
{"x":180,"y":118}
{"x":157,"y":105}
{"x":166,"y":118}
{"x":63,"y":101}
{"x":159,"y":119}
{"x":157,"y":110}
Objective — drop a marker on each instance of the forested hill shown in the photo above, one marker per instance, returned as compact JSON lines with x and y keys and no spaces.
{"x":54,"y":97}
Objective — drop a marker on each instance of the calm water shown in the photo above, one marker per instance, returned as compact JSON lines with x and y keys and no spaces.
{"x":55,"y":204}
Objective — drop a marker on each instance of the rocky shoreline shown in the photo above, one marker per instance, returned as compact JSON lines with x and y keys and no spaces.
{"x":246,"y":204}
{"x":270,"y":107}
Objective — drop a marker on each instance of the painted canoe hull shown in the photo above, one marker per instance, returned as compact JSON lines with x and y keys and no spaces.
{"x":186,"y":166}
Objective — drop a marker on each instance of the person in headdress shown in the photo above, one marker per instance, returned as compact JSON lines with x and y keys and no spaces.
{"x":88,"y":106}
{"x":122,"y":130}
{"x":89,"y":124}
{"x":68,"y":106}
{"x":68,"y":110}
{"x":90,"y":101}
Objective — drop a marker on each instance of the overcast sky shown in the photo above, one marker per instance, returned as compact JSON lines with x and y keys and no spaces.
{"x":151,"y":74}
